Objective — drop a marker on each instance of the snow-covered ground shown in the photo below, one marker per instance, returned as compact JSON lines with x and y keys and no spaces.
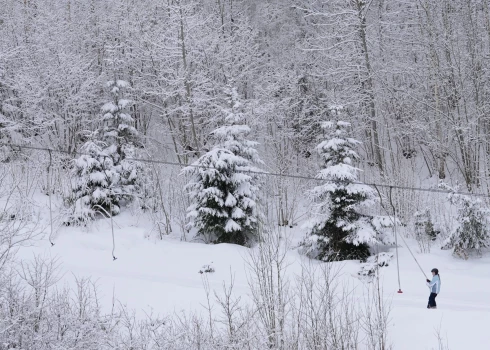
{"x":163,"y":276}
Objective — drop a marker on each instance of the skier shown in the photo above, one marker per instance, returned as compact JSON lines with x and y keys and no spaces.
{"x":435,"y":288}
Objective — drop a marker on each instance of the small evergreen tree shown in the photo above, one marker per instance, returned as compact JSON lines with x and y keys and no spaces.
{"x":473,"y":231}
{"x":107,"y":172}
{"x":341,"y":232}
{"x":94,"y":179}
{"x":223,"y":191}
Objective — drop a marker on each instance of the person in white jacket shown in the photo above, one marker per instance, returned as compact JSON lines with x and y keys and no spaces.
{"x":435,"y":288}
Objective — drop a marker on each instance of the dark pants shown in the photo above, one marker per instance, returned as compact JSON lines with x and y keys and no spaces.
{"x":432,"y":300}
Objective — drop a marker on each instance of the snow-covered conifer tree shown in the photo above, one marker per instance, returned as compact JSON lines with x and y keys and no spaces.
{"x":473,"y":231}
{"x":94,"y":180}
{"x":107,"y":172}
{"x":223,"y":191}
{"x":340,"y":231}
{"x":121,"y":138}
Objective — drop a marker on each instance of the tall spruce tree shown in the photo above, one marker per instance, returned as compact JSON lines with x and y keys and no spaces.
{"x":121,"y":138}
{"x":223,"y":189}
{"x":340,"y":231}
{"x":107,"y":172}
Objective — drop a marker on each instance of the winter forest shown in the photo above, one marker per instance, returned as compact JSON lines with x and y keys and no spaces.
{"x":313,"y":154}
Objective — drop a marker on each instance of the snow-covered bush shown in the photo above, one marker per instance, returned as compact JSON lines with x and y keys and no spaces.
{"x":340,"y":230}
{"x":34,"y":314}
{"x":207,"y":268}
{"x":424,"y":230}
{"x":373,"y":263}
{"x":19,"y":224}
{"x":106,"y":173}
{"x":473,"y":230}
{"x":225,"y":185}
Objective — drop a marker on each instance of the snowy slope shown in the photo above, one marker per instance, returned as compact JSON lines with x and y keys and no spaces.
{"x":163,"y":276}
{"x":463,"y":312}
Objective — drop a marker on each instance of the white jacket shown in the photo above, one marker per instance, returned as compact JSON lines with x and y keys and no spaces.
{"x":435,"y":284}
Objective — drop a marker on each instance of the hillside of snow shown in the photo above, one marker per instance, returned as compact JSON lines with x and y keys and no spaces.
{"x":163,"y":277}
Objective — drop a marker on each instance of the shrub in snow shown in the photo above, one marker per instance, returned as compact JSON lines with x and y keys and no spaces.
{"x":209,"y":268}
{"x":34,"y":314}
{"x":224,"y":186}
{"x":106,"y":173}
{"x":424,"y":226}
{"x":473,"y":231}
{"x":340,"y":231}
{"x":373,"y":263}
{"x":424,"y":230}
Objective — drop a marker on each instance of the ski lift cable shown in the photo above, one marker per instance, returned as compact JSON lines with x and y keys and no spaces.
{"x":264,"y":173}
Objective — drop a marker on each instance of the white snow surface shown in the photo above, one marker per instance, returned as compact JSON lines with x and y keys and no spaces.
{"x":163,"y":275}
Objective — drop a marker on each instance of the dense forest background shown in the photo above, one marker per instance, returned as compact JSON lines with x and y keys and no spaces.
{"x":411,"y":77}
